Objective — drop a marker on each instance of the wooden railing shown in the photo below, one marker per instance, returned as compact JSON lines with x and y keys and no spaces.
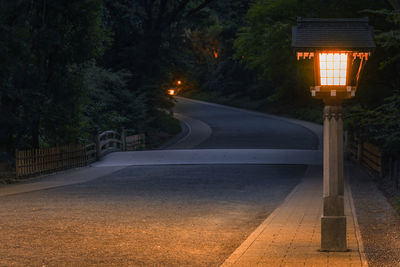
{"x":47,"y":160}
{"x":135,"y":142}
{"x":110,"y":141}
{"x":91,"y":153}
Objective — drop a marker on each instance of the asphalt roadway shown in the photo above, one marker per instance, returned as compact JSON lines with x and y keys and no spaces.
{"x":122,"y":212}
{"x":238,"y":129}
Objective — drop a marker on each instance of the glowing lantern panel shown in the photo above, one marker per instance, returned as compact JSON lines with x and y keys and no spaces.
{"x":171,"y":92}
{"x":333,"y":68}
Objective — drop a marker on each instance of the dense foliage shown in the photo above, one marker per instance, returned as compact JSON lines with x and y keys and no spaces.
{"x":264,"y":44}
{"x":380,"y":125}
{"x":256,"y":67}
{"x":375,"y":121}
{"x":42,"y":47}
{"x":217,"y":75}
{"x":68,"y":67}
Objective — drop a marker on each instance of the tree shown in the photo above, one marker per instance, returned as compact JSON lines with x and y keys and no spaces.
{"x":57,"y":83}
{"x":50,"y":40}
{"x":108,"y":103}
{"x":264,"y":44}
{"x":208,"y":57}
{"x":146,"y":36}
{"x":380,"y":123}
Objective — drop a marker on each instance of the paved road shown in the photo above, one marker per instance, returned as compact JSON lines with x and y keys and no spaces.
{"x":233,"y":128}
{"x":196,"y":213}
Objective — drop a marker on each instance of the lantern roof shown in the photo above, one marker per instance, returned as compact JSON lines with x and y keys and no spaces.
{"x":312,"y":34}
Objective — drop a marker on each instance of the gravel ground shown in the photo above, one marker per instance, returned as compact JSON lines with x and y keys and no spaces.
{"x":143,"y":216}
{"x":379,"y":222}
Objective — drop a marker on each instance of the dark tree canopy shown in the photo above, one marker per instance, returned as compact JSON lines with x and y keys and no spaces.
{"x":68,"y":67}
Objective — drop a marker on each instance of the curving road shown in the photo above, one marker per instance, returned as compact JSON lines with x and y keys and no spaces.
{"x":191,"y":204}
{"x":240,"y":129}
{"x":217,"y":134}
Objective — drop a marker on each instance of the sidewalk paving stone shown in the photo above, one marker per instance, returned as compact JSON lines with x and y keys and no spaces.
{"x":290,"y":236}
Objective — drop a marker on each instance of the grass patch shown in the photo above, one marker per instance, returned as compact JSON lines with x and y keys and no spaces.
{"x":169,"y":124}
{"x":164,"y":127}
{"x":308,"y":114}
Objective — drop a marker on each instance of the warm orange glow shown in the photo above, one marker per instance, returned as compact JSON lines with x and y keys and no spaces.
{"x":333,"y":68}
{"x":171,"y":92}
{"x":305,"y":55}
{"x":215,"y":54}
{"x":179,"y":82}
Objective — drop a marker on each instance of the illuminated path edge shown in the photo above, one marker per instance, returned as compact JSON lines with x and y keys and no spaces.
{"x":211,"y":156}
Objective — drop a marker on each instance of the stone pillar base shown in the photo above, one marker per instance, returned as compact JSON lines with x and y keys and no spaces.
{"x":333,"y":233}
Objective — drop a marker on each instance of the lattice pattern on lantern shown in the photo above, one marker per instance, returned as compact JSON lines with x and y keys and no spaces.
{"x":333,"y":68}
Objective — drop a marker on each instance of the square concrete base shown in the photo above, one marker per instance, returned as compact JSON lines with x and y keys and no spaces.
{"x":333,"y":233}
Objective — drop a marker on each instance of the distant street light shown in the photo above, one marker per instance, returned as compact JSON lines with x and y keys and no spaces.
{"x":171,"y":91}
{"x":340,"y":49}
{"x":179,"y":82}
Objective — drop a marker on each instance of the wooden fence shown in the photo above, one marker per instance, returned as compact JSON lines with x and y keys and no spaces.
{"x":384,"y":165}
{"x":365,"y":153}
{"x":41,"y":161}
{"x":46,"y":160}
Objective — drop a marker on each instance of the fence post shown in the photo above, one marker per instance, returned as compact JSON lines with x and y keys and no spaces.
{"x":97,"y":142}
{"x":17,"y":164}
{"x":123,"y":137}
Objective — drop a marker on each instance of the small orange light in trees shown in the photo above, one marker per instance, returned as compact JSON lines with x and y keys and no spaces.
{"x":171,"y":92}
{"x":215,"y":53}
{"x":179,"y":82}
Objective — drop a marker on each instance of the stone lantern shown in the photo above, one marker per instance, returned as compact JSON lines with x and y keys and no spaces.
{"x":339,"y":49}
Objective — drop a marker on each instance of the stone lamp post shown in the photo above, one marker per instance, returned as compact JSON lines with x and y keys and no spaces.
{"x":340,"y":49}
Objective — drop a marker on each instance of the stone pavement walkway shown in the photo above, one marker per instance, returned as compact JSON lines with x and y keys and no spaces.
{"x":290,"y":236}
